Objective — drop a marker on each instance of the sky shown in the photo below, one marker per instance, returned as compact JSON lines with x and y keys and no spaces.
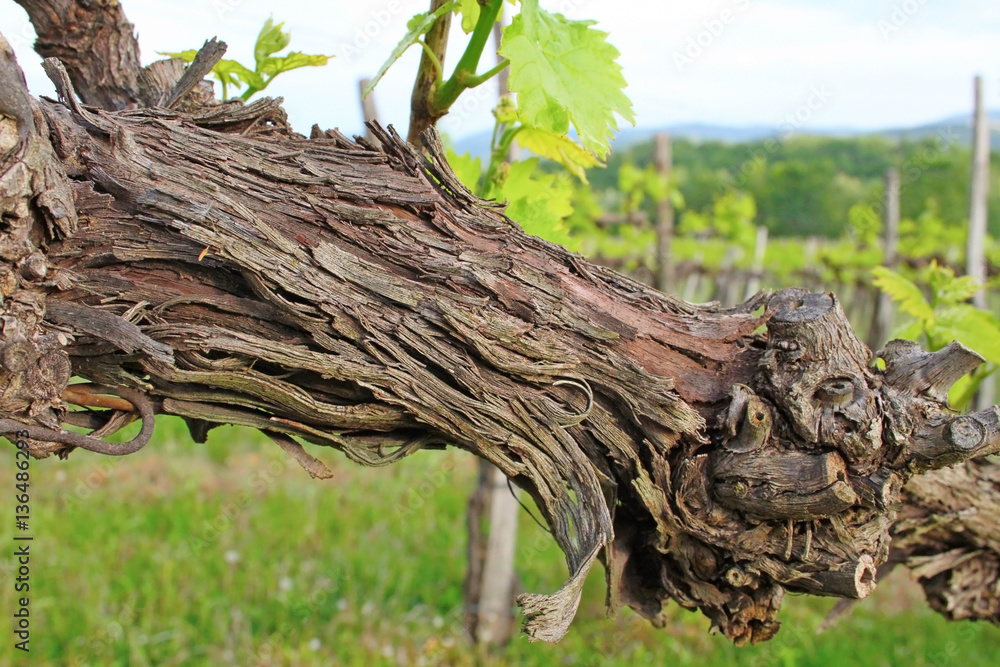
{"x":859,"y":64}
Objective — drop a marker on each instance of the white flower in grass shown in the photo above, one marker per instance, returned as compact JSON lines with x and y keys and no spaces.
{"x":285,"y":584}
{"x":232,"y":557}
{"x":314,"y":644}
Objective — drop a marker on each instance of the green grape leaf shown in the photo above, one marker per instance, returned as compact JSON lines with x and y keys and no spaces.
{"x":468,"y":170}
{"x":229,"y":72}
{"x":539,"y":202}
{"x":676,"y":197}
{"x":911,"y":300}
{"x":912,"y":331}
{"x":946,"y":288}
{"x":469,"y":10}
{"x":657,"y":187}
{"x":632,"y":184}
{"x":416,"y":28}
{"x":274,"y":66}
{"x":961,"y":393}
{"x":187,"y":56}
{"x":270,"y":40}
{"x":959,"y":290}
{"x":557,"y":147}
{"x":565,"y":72}
{"x":233,"y":73}
{"x":586,"y":210}
{"x":693,"y":223}
{"x":977,"y":329}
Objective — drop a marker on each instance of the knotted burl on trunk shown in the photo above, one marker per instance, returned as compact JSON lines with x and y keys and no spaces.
{"x":798,"y":486}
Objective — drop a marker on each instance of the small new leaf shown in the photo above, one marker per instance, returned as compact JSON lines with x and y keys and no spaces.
{"x":557,"y":147}
{"x":946,"y":288}
{"x":417,"y":27}
{"x":565,"y":72}
{"x":272,"y":67}
{"x":233,"y":73}
{"x":468,"y":170}
{"x":911,"y":300}
{"x":229,"y":72}
{"x":469,"y":10}
{"x":186,"y":56}
{"x":270,"y":40}
{"x":977,"y":329}
{"x":539,"y":202}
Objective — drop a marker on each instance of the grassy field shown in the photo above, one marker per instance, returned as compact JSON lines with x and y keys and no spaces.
{"x":229,"y":554}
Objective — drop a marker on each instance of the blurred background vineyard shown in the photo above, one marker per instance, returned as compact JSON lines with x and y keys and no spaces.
{"x":819,"y":198}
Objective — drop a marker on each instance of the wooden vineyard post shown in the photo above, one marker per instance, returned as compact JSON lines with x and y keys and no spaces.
{"x":663,"y":159}
{"x":693,"y":282}
{"x":726,"y":282}
{"x":978,"y":192}
{"x":757,"y":268}
{"x":884,"y":312}
{"x":369,"y":112}
{"x":491,"y":581}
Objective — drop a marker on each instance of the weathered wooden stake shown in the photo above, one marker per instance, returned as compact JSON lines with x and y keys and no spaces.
{"x":663,"y":159}
{"x":369,"y":111}
{"x":882,"y":323}
{"x":757,"y":268}
{"x":693,"y":283}
{"x":726,"y":284}
{"x":978,"y":192}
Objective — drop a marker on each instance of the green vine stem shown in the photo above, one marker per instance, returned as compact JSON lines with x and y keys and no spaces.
{"x":465,"y":76}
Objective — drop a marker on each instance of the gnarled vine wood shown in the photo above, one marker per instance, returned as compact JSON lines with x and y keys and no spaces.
{"x":215,"y":265}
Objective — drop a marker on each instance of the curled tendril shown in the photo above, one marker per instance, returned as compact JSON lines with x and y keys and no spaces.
{"x":138,"y":400}
{"x":363,"y":456}
{"x":570,"y":419}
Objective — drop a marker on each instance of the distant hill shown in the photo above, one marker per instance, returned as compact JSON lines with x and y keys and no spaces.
{"x":959,"y":126}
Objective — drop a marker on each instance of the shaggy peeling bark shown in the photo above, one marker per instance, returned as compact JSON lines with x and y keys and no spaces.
{"x":948,"y":533}
{"x":216,"y":266}
{"x":95,"y":42}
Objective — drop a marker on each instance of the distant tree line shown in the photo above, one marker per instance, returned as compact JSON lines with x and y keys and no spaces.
{"x":806,"y":186}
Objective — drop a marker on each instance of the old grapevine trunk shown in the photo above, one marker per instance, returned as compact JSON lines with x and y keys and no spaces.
{"x":217,"y":266}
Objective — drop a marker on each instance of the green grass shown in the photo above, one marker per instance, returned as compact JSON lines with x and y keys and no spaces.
{"x":229,"y":554}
